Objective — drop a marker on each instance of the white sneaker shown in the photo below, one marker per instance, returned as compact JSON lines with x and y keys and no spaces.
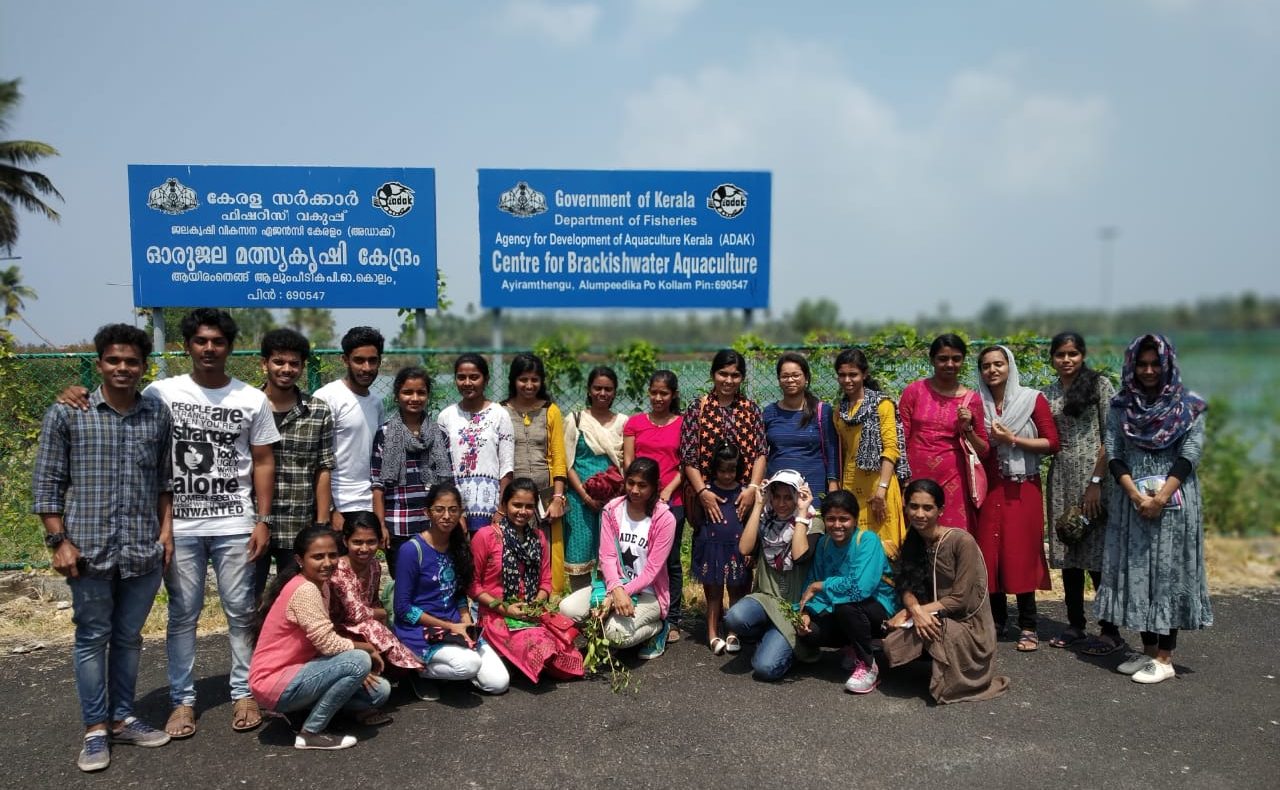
{"x":864,"y":679}
{"x":1154,"y":672}
{"x":1134,"y":663}
{"x":323,"y":740}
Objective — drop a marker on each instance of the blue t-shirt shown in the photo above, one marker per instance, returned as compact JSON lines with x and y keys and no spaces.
{"x":430,"y":585}
{"x":810,"y":450}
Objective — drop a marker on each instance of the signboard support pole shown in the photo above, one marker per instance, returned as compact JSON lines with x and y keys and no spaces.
{"x":748,"y":315}
{"x":497,"y":338}
{"x":420,"y":327}
{"x":157,"y":339}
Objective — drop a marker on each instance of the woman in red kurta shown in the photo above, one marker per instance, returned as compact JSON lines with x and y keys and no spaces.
{"x":512,"y":581}
{"x":937,"y":413}
{"x":1011,"y":525}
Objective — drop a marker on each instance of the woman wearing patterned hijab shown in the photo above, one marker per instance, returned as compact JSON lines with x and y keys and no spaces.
{"x":1153,"y":568}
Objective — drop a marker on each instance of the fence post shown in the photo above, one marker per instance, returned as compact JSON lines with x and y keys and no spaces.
{"x":497,"y":338}
{"x":157,"y":340}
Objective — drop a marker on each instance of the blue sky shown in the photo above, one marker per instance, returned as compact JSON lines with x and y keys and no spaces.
{"x":922,"y":153}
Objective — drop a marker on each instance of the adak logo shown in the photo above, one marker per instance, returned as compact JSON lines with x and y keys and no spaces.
{"x":172,"y":197}
{"x":395,"y":199}
{"x":728,"y":201}
{"x":522,"y":200}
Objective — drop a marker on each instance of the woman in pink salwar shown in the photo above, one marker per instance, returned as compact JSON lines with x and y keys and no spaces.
{"x":937,"y":413}
{"x":512,"y":583}
{"x":356,"y":582}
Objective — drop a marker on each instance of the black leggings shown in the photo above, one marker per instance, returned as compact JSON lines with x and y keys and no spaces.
{"x":1167,"y":641}
{"x":1026,"y":610}
{"x":1073,"y":594}
{"x":854,"y":624}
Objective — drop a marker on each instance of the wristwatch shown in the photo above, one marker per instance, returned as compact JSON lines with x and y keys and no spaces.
{"x":1095,"y":480}
{"x":54,"y":539}
{"x":263,"y":518}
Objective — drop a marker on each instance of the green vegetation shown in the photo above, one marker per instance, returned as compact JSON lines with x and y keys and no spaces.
{"x":21,"y":188}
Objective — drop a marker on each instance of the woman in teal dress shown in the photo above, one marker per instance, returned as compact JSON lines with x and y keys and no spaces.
{"x":1153,"y":566}
{"x":593,"y":443}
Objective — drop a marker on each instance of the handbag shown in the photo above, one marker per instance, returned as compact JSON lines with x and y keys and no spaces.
{"x":975,"y":473}
{"x":1073,"y":525}
{"x":603,"y":486}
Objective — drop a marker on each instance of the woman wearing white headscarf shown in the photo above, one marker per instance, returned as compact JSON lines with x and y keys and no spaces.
{"x":1011,"y":523}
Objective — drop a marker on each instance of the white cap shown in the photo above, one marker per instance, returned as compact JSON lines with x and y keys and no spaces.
{"x":788,"y":477}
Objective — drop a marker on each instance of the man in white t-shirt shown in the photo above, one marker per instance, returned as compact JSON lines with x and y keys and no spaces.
{"x":357,"y":415}
{"x":222,"y":437}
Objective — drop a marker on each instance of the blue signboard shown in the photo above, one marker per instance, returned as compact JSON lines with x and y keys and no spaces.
{"x":624,"y":238}
{"x":248,"y":236}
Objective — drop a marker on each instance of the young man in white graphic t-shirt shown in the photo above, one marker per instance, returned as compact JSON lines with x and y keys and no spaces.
{"x":357,"y":414}
{"x":223,"y":478}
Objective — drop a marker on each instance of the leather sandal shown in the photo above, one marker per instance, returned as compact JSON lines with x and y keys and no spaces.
{"x":245,"y":715}
{"x":181,"y":723}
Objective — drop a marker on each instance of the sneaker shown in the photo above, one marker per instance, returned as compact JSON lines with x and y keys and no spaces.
{"x":849,"y":658}
{"x":657,"y":645}
{"x":1154,"y":672}
{"x":323,"y":740}
{"x":139,"y":733}
{"x":425,"y":689}
{"x":864,"y":679}
{"x":1134,"y":663}
{"x":95,"y":754}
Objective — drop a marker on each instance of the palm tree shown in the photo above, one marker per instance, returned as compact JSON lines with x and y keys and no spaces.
{"x":20,"y":188}
{"x":13,"y":294}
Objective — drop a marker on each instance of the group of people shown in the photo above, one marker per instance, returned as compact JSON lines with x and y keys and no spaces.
{"x":864,"y":525}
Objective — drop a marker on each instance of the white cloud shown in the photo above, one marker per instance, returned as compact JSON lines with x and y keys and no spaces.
{"x":658,"y":17}
{"x":856,"y":181}
{"x":561,"y":23}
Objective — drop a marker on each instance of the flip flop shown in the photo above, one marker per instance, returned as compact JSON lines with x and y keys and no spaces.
{"x":181,"y":723}
{"x":1028,"y":642}
{"x":1101,"y":645}
{"x":1067,"y":638}
{"x":245,"y":715}
{"x":718,"y":646}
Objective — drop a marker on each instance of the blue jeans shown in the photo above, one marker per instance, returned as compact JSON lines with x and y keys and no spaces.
{"x":773,"y":655}
{"x":675,"y":571}
{"x":185,"y":584}
{"x":329,"y":684}
{"x":109,"y":612}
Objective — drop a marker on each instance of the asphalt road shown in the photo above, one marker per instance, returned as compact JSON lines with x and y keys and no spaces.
{"x":700,"y":721}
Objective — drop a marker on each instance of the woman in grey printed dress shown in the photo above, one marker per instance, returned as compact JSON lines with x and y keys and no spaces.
{"x":1153,"y":569}
{"x":1078,"y":483}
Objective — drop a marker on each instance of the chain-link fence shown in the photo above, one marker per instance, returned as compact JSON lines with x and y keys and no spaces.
{"x":30,"y":382}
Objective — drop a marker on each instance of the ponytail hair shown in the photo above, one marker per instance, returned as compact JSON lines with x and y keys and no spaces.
{"x":855,"y":357}
{"x":810,"y":400}
{"x":1082,"y":394}
{"x":459,"y":540}
{"x":301,"y":544}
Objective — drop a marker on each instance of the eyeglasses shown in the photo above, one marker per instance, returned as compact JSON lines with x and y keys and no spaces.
{"x":790,"y":376}
{"x":440,"y":510}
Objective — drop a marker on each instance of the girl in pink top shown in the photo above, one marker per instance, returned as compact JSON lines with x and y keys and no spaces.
{"x":656,"y":435}
{"x":301,"y":662}
{"x":636,"y":531}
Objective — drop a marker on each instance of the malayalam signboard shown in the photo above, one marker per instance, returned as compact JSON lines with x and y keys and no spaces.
{"x":267,"y":236}
{"x":624,"y":238}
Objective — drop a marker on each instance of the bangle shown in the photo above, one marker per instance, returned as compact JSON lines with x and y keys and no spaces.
{"x":885,"y":486}
{"x":704,"y":488}
{"x":494,"y":604}
{"x":558,"y":496}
